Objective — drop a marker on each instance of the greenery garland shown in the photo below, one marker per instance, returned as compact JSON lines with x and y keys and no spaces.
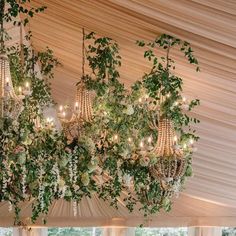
{"x":38,"y":163}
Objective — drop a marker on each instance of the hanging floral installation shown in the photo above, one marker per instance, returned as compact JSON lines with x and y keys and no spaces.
{"x":132,"y":145}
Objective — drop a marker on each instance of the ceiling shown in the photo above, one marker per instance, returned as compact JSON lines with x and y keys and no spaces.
{"x":210,"y":27}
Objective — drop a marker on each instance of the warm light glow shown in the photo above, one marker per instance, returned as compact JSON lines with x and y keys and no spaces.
{"x":7,"y":80}
{"x":129,"y":139}
{"x":27,"y":85}
{"x":141,"y":144}
{"x":150,"y":139}
{"x":115,"y":137}
{"x":184,"y":99}
{"x":184,"y":146}
{"x":64,"y":114}
{"x":176,"y":104}
{"x":60,"y":108}
{"x":20,"y":89}
{"x":76,"y":105}
{"x":175,"y":138}
{"x":191,"y":141}
{"x":168,"y":95}
{"x":140,"y":100}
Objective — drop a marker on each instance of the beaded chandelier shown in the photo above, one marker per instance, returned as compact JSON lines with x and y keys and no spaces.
{"x":82,"y":110}
{"x":10,"y":101}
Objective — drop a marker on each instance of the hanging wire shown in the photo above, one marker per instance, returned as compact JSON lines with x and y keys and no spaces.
{"x":2,"y":8}
{"x":83,"y":52}
{"x":21,"y":49}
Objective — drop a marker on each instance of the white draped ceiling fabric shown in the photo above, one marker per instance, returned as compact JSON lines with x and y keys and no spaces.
{"x":210,"y":26}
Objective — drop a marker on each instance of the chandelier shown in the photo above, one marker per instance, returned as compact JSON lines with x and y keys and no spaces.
{"x":10,"y":99}
{"x":81,"y":112}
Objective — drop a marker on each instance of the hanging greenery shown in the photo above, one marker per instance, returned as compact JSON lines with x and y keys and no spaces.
{"x":112,"y":155}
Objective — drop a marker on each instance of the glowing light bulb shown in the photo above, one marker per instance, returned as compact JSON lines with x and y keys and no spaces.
{"x":149,"y":139}
{"x":141,"y":144}
{"x":191,"y":141}
{"x":129,"y":139}
{"x":168,"y":95}
{"x":60,"y":108}
{"x":140,"y":100}
{"x":115,"y":137}
{"x":7,"y":80}
{"x":63,"y":114}
{"x":184,"y":99}
{"x":176,"y":103}
{"x":175,"y":138}
{"x":184,"y":146}
{"x":20,"y":90}
{"x":27,"y":85}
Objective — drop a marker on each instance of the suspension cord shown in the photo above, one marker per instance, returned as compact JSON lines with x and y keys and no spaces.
{"x":2,"y":8}
{"x":83,"y":56}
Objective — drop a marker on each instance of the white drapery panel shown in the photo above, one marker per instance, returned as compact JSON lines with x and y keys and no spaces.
{"x":210,"y":197}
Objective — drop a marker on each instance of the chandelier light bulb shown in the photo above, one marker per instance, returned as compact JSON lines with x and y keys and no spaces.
{"x":63,"y":114}
{"x":140,"y":99}
{"x":20,"y":90}
{"x":115,"y":137}
{"x":7,"y":80}
{"x":184,"y":99}
{"x":141,"y":144}
{"x":168,"y":95}
{"x":149,"y":139}
{"x":76,"y":105}
{"x":191,"y":141}
{"x":129,"y":140}
{"x":60,"y":108}
{"x":27,"y":85}
{"x":184,"y":146}
{"x":176,"y":104}
{"x":175,"y":139}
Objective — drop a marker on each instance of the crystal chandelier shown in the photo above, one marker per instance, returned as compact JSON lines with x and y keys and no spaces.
{"x":10,"y":101}
{"x":82,"y":110}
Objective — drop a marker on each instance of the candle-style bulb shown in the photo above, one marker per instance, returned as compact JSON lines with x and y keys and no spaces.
{"x":175,"y":138}
{"x":27,"y":85}
{"x":149,"y":139}
{"x":60,"y":108}
{"x":141,"y":144}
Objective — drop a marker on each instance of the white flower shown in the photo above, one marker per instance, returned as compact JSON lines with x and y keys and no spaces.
{"x":144,"y":161}
{"x":129,"y":110}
